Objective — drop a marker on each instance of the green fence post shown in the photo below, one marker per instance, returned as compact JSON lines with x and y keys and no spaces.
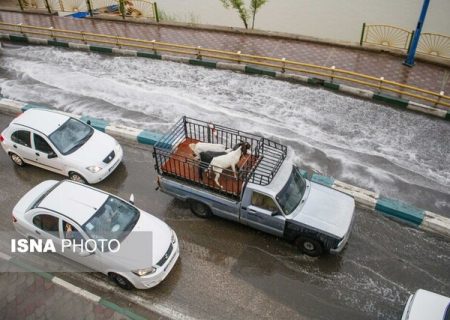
{"x":362,"y":34}
{"x":122,"y":8}
{"x":410,"y":41}
{"x":155,"y":8}
{"x":89,"y":6}
{"x":48,"y":7}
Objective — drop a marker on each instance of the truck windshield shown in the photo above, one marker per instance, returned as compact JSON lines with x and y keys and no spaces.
{"x":292,"y":193}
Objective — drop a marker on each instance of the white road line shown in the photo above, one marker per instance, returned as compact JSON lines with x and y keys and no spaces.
{"x":77,"y":290}
{"x":166,"y":310}
{"x":4,"y":256}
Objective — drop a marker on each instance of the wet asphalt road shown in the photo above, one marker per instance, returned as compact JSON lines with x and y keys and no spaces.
{"x":228,"y":271}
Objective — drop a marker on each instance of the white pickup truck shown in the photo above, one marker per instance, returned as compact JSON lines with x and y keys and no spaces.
{"x":270,"y":193}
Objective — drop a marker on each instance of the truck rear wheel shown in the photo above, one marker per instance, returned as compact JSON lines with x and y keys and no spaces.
{"x":200,"y":209}
{"x":311,"y":247}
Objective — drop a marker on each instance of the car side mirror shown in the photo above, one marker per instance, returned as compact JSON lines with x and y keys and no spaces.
{"x":86,"y":253}
{"x":88,"y":122}
{"x":52,"y":155}
{"x":131,"y":199}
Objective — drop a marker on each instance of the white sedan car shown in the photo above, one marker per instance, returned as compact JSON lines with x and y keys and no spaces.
{"x":62,"y":144}
{"x":427,"y":305}
{"x":69,"y":211}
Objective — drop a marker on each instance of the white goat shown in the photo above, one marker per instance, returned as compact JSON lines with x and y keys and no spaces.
{"x":199,"y":147}
{"x":218,"y":164}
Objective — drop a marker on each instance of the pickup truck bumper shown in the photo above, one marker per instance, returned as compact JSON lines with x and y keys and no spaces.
{"x":341,"y":245}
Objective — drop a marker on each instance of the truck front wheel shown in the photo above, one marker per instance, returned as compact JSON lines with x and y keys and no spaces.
{"x":311,"y":247}
{"x":200,"y":209}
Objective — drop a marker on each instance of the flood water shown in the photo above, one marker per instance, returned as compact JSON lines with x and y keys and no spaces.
{"x":398,"y":153}
{"x":325,"y":19}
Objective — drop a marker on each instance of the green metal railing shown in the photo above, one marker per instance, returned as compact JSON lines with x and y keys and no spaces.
{"x":278,"y":64}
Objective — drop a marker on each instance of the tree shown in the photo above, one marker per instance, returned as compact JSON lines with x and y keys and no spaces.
{"x":254,"y":7}
{"x":240,"y":7}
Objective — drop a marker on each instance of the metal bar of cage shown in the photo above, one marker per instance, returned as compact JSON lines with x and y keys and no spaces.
{"x":266,"y":155}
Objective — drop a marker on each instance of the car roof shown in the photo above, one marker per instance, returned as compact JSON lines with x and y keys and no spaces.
{"x":75,"y":201}
{"x":428,"y":305}
{"x":42,"y":120}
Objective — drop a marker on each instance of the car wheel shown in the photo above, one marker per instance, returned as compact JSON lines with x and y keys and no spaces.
{"x":311,"y":247}
{"x":200,"y":209}
{"x":16,"y":159}
{"x":121,"y":281}
{"x":77,"y":178}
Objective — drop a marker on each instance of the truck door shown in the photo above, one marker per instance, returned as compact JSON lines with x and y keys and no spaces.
{"x":262,"y":213}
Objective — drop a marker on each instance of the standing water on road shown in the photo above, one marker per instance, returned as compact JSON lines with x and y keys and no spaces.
{"x":401,"y":154}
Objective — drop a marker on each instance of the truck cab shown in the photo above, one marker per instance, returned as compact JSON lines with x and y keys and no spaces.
{"x":270,"y":194}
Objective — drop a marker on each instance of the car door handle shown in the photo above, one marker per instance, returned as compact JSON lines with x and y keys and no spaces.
{"x":252,"y":212}
{"x":14,"y":146}
{"x":37,"y":232}
{"x":37,"y":153}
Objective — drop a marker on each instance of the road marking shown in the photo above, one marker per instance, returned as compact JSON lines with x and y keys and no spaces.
{"x":4,"y":256}
{"x":166,"y":310}
{"x":84,"y":293}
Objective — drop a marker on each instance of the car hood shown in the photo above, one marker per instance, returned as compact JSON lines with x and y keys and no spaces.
{"x":327,"y":210}
{"x":95,"y":150}
{"x":135,"y":250}
{"x":31,"y":196}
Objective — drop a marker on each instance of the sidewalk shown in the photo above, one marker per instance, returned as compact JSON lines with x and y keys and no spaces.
{"x":29,"y":296}
{"x":28,"y":293}
{"x":379,"y":64}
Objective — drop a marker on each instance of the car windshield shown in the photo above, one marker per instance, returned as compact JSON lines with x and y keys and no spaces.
{"x":292,"y":193}
{"x":114,"y":220}
{"x":70,"y":136}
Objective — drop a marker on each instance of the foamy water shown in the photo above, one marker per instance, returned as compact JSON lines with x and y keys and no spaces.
{"x":401,"y":154}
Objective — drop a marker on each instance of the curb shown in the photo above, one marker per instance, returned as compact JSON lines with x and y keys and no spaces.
{"x":397,"y":210}
{"x":126,"y":133}
{"x":394,"y":209}
{"x":74,"y":289}
{"x":362,"y":93}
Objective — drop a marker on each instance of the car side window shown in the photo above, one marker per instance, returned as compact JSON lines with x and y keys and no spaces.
{"x":71,"y":233}
{"x":41,"y":145}
{"x":262,"y":201}
{"x":46,"y":222}
{"x":22,"y":137}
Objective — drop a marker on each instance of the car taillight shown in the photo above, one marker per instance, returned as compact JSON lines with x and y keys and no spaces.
{"x":1,"y":138}
{"x":14,"y":219}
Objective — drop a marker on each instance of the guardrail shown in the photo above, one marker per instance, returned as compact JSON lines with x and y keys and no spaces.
{"x":330,"y":74}
{"x":124,"y":8}
{"x":430,"y":44}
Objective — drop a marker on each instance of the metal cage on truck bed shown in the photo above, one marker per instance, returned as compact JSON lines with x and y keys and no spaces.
{"x":175,"y":159}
